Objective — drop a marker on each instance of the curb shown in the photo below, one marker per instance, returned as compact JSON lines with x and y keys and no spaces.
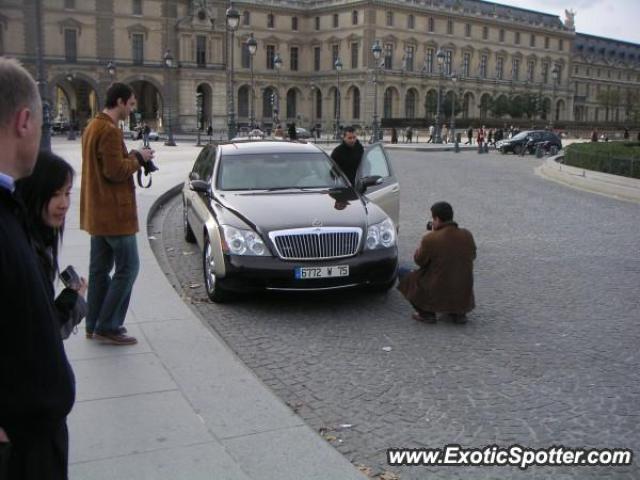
{"x":159,"y":202}
{"x":613,"y":186}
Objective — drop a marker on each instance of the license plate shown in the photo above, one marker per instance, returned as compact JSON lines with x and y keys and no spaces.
{"x":303,"y":273}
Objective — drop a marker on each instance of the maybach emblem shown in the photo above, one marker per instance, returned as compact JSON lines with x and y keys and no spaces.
{"x":316,"y":223}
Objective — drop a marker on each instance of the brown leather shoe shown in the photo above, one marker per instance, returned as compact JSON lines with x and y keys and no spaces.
{"x":428,"y":317}
{"x":114,"y":338}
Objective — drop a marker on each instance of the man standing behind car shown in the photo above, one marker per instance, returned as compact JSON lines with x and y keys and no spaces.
{"x":348,"y":154}
{"x":109,"y":214}
{"x":443,"y":282}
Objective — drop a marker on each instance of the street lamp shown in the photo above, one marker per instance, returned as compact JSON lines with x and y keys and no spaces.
{"x":233,"y":20}
{"x":555,"y":73}
{"x":338,"y":66}
{"x":252,"y":46}
{"x":456,"y":147}
{"x":168,"y":63}
{"x":440,"y":57}
{"x":376,"y":49}
{"x":277,"y":64}
{"x":71,"y":135}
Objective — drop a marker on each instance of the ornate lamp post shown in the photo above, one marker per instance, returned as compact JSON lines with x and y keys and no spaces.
{"x":71,"y":135}
{"x":456,"y":147}
{"x":555,"y":73}
{"x":168,"y":63}
{"x":440,"y":57}
{"x":338,"y":66}
{"x":252,"y":46}
{"x":233,"y":20}
{"x":277,"y":64}
{"x":376,"y":49}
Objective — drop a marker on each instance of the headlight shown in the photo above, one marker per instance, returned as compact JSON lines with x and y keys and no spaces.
{"x":243,"y":242}
{"x":381,"y":235}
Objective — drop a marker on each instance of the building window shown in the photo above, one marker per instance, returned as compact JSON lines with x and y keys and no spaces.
{"x":410,"y":104}
{"x":532,"y":40}
{"x":317,"y":23}
{"x":389,"y":19}
{"x":448,"y":61}
{"x":271,"y":21}
{"x":245,"y":56}
{"x":449,"y":27}
{"x":388,"y":56}
{"x":428,"y":60}
{"x":515,"y":69}
{"x":466,"y":62}
{"x":69,"y":3}
{"x":431,"y":24}
{"x":354,"y":55}
{"x":356,"y":103}
{"x":293,"y":60}
{"x":501,"y":35}
{"x":335,"y":53}
{"x":336,"y":20}
{"x":318,"y":104}
{"x":271,"y":53}
{"x":546,"y":42}
{"x":483,"y":65}
{"x":201,"y":50}
{"x":467,"y":30}
{"x":485,"y":33}
{"x":561,"y":45}
{"x":531,"y":70}
{"x":292,"y":100}
{"x":411,"y":22}
{"x":137,"y":43}
{"x":294,"y":24}
{"x":354,"y":17}
{"x":316,"y":59}
{"x":517,"y":39}
{"x":137,"y":7}
{"x":246,"y":17}
{"x":408,"y":59}
{"x":499,"y":68}
{"x":70,"y":45}
{"x":545,"y":73}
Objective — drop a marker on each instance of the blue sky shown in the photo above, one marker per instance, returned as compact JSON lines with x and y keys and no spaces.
{"x":605,"y":18}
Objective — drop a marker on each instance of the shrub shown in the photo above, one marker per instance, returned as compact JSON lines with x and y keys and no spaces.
{"x":617,"y":158}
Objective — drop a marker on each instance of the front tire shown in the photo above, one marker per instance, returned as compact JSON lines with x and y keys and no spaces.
{"x":214,"y":292}
{"x":518,"y":149}
{"x":189,"y":237}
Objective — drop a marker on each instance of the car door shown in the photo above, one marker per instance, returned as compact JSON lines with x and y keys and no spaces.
{"x":197,"y":202}
{"x":386,"y":194}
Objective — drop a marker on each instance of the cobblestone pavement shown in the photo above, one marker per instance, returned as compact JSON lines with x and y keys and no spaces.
{"x":550,"y":356}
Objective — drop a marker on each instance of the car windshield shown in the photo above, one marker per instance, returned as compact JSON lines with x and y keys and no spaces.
{"x":276,"y":171}
{"x":521,"y":136}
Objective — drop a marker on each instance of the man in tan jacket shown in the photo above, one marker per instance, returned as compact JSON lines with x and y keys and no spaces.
{"x":109,"y":214}
{"x":444,"y":281}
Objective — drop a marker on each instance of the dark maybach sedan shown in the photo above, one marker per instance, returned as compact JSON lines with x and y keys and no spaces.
{"x":276,"y":215}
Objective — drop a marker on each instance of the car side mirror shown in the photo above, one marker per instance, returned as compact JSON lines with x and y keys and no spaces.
{"x":200,"y":186}
{"x":369,"y":181}
{"x":194,"y":176}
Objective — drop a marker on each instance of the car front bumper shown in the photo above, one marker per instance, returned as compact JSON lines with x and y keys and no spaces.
{"x":247,"y":273}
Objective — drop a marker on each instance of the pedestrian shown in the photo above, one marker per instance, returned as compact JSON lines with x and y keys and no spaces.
{"x":408,"y":135}
{"x":469,"y":136}
{"x":348,"y":154}
{"x":108,"y":212}
{"x":490,"y":140}
{"x":394,"y":135}
{"x":210,"y":132}
{"x":293,"y":135}
{"x":46,"y":193}
{"x":431,"y":131}
{"x":279,"y":132}
{"x":626,"y":133}
{"x":443,"y":282}
{"x":480,"y":138}
{"x":146,"y":131}
{"x":36,"y":380}
{"x":444,"y":134}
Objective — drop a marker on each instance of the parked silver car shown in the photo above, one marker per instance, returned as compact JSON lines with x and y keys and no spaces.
{"x":275,"y":215}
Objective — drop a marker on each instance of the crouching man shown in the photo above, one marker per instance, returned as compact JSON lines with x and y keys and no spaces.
{"x":443,"y":283}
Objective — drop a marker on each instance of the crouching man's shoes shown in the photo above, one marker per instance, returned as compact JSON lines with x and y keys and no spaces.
{"x":114,"y":338}
{"x":424,"y":317}
{"x":460,"y":318}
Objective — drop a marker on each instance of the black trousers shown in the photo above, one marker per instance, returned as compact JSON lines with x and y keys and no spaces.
{"x":40,"y":457}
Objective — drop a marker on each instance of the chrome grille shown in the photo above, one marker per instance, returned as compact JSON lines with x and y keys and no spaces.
{"x":320,"y":243}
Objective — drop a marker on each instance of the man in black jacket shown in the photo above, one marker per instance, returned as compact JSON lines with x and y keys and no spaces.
{"x":36,"y":381}
{"x":348,"y":154}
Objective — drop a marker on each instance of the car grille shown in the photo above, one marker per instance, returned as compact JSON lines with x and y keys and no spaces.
{"x":320,"y":243}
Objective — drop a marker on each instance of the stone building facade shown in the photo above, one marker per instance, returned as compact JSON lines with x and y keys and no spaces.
{"x":494,"y":50}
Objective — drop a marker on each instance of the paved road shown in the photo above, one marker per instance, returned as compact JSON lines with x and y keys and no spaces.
{"x":550,"y":356}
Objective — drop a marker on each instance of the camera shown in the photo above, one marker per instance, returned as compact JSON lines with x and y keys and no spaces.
{"x":429,"y":225}
{"x":148,"y":166}
{"x":70,"y":277}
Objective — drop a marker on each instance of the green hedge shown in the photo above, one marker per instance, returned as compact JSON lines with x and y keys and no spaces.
{"x":617,"y":158}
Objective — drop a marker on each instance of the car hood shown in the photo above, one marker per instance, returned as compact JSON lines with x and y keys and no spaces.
{"x":268,"y":211}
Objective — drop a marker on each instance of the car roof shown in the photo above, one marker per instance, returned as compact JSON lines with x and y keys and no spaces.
{"x":266,"y":146}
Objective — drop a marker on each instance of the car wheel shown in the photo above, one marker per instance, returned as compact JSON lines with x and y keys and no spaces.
{"x":517,"y":149}
{"x":503,"y":150}
{"x":214,"y":292}
{"x":189,"y":237}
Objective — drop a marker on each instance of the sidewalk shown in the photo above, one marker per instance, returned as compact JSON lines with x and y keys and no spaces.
{"x":179,"y":404}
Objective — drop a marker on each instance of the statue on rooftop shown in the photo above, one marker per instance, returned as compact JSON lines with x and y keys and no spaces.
{"x":569,"y":19}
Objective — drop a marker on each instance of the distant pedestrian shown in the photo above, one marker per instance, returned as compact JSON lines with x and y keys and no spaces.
{"x":490,"y":140}
{"x":444,"y":134}
{"x":469,"y":136}
{"x":293,"y":134}
{"x":278,"y":132}
{"x":210,"y":132}
{"x":146,"y":131}
{"x":394,"y":135}
{"x":594,"y":135}
{"x":408,"y":135}
{"x":431,"y":132}
{"x":626,"y":134}
{"x":480,"y":136}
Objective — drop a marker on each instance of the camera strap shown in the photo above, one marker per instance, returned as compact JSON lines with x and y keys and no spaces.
{"x":140,"y":179}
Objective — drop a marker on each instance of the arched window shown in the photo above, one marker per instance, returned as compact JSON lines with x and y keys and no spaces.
{"x":356,"y":103}
{"x":410,"y":104}
{"x":387,"y":111}
{"x":291,"y":103}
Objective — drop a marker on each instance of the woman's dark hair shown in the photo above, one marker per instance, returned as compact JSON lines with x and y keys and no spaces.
{"x":50,"y":174}
{"x":117,"y":90}
{"x":442,"y":210}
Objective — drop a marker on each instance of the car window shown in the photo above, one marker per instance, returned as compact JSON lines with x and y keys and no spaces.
{"x":204,"y":163}
{"x":374,"y":162}
{"x":277,"y":171}
{"x":520,"y":136}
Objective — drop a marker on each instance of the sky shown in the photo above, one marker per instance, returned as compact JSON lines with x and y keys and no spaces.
{"x":617,"y":19}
